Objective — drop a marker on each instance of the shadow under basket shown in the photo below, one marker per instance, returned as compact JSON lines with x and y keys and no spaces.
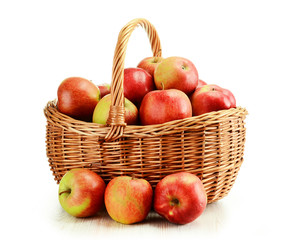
{"x":210,"y":146}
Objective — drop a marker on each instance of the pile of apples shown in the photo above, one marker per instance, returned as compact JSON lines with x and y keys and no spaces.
{"x":158,"y":90}
{"x":179,"y":197}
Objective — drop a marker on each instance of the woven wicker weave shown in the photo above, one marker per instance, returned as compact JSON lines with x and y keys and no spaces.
{"x":210,"y":146}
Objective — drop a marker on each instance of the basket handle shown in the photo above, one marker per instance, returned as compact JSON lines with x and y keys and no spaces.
{"x":116,"y":119}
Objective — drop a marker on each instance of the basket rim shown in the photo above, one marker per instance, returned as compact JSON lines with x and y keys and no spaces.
{"x":89,"y":128}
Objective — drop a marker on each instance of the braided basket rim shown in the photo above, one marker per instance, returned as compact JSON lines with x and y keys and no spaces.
{"x":89,"y":128}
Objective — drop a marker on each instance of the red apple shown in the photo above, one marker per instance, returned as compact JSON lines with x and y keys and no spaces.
{"x":180,"y":198}
{"x":104,"y":89}
{"x":210,"y":98}
{"x":77,"y":98}
{"x":161,"y":106}
{"x":178,"y":73}
{"x":201,"y":83}
{"x":149,"y":64}
{"x":101,"y":111}
{"x":81,"y":192}
{"x":128,"y":200}
{"x":137,"y":83}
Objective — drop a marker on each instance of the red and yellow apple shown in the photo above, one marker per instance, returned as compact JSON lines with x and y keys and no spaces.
{"x":210,"y":98}
{"x":81,"y":192}
{"x":149,"y":64}
{"x":77,"y":98}
{"x":180,"y":198}
{"x":176,"y":73}
{"x":104,"y":89}
{"x":101,"y":111}
{"x":160,"y":106}
{"x":137,"y":83}
{"x":128,"y":200}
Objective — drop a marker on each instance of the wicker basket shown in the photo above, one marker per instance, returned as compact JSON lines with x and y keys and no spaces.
{"x":210,"y":145}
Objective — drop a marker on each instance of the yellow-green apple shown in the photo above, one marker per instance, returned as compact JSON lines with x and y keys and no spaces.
{"x":101,"y":111}
{"x":149,"y":64}
{"x":137,"y":83}
{"x":178,"y":73}
{"x":81,"y":192}
{"x":104,"y":89}
{"x":160,"y":106}
{"x":128,"y":200}
{"x":180,"y":197}
{"x":210,"y":98}
{"x":77,"y":98}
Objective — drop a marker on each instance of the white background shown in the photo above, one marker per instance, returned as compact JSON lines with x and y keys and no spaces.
{"x":249,"y":47}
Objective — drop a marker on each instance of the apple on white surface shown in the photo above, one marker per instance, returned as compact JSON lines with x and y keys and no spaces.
{"x":176,"y":73}
{"x":81,"y":192}
{"x":128,"y":200}
{"x":180,"y":198}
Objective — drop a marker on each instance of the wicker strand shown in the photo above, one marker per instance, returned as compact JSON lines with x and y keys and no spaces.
{"x":116,"y":119}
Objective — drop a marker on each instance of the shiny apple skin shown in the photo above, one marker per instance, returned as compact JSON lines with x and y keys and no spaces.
{"x":101,"y":111}
{"x":81,"y":192}
{"x":137,"y":83}
{"x":210,"y":98}
{"x":77,"y":98}
{"x":104,"y":89}
{"x":176,"y":73}
{"x":162,"y":106}
{"x":149,"y":64}
{"x":128,"y":200}
{"x":201,"y":83}
{"x":180,"y":198}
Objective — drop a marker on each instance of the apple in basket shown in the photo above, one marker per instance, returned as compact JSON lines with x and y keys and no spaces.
{"x":178,"y":73}
{"x":210,"y":98}
{"x":160,"y":106}
{"x":81,"y":192}
{"x":104,"y":89}
{"x":77,"y":98}
{"x":180,"y":198}
{"x":128,"y":200}
{"x":101,"y":111}
{"x":137,"y":83}
{"x":149,"y":64}
{"x":201,"y":83}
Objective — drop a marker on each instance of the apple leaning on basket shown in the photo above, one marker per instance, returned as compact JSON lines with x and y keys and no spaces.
{"x":158,"y":90}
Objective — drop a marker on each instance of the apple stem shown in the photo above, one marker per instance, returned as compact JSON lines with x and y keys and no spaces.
{"x":133,"y":177}
{"x":174,"y":202}
{"x":162,"y":85}
{"x":67,"y":191}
